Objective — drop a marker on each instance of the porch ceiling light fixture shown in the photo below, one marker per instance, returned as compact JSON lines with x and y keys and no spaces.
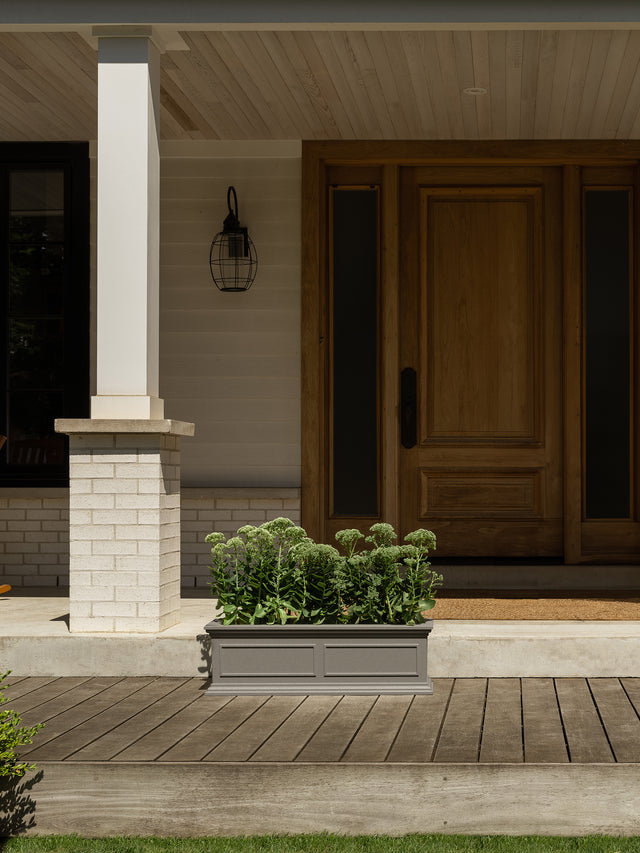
{"x":232,"y":259}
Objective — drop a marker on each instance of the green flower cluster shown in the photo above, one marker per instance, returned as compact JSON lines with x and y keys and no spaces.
{"x":276,"y":574}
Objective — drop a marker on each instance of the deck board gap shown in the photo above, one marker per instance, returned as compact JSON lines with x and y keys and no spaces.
{"x":157,"y":725}
{"x":484,"y":714}
{"x":443,"y":718}
{"x":562,"y":722}
{"x":279,"y":726}
{"x":361,"y":724}
{"x":631,"y":702}
{"x":194,"y":729}
{"x":245,"y":720}
{"x":102,"y":733}
{"x":315,"y":731}
{"x":604,"y":728}
{"x":399,"y":728}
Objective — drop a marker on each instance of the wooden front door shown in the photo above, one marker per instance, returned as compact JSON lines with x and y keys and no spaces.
{"x":480,"y":343}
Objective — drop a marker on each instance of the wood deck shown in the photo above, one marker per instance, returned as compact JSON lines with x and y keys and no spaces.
{"x":475,"y":720}
{"x":134,"y":755}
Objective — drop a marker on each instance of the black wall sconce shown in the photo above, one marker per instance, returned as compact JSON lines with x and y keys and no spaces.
{"x":232,"y":259}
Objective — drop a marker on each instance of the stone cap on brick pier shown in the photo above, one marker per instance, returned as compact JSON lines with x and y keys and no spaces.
{"x":164,"y":426}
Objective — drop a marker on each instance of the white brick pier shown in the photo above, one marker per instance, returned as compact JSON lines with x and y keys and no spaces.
{"x":124,"y":524}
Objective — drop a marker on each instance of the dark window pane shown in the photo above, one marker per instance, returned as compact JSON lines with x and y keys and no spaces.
{"x":36,"y":354}
{"x":32,"y":440}
{"x":36,"y":279}
{"x":608,"y":353}
{"x":354,"y":232}
{"x":36,"y":205}
{"x":36,"y":228}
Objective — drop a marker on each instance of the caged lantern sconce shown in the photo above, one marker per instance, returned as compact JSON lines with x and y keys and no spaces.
{"x":233,"y":260}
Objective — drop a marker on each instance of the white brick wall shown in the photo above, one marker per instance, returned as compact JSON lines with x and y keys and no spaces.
{"x":202,"y":510}
{"x":225,"y":510}
{"x":34,"y":537}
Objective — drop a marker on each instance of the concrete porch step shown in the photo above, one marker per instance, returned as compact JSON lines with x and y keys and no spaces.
{"x":35,"y":641}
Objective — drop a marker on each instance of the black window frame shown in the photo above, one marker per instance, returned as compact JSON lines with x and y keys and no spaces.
{"x":73,"y":159}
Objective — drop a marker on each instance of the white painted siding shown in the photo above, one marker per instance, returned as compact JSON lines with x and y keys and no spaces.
{"x":230,"y":362}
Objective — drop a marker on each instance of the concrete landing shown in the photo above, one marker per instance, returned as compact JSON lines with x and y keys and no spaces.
{"x":35,"y":640}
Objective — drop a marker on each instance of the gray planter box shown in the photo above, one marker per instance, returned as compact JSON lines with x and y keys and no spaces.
{"x":301,"y":659}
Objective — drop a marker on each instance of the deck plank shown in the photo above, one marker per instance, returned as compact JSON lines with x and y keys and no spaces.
{"x":461,"y":729}
{"x":502,"y":729}
{"x":35,"y":699}
{"x":375,"y":737}
{"x":62,"y":723}
{"x":28,"y":685}
{"x":618,"y":717}
{"x":71,"y":698}
{"x":542,"y":727}
{"x":180,"y":692}
{"x":419,"y":732}
{"x":632,"y":689}
{"x":12,"y":680}
{"x":292,"y":736}
{"x":137,"y":693}
{"x":160,"y":740}
{"x":586,"y":738}
{"x":212,"y":731}
{"x":336,"y":732}
{"x":249,"y":737}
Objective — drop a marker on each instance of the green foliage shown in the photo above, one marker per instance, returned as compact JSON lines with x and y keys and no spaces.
{"x":13,"y":735}
{"x":328,"y":843}
{"x":276,"y":574}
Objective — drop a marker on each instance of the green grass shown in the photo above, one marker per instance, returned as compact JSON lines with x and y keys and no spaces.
{"x":326,"y":844}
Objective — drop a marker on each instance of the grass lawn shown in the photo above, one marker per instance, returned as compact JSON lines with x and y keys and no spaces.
{"x":326,"y":844}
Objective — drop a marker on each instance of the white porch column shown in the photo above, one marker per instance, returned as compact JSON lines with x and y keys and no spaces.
{"x":124,"y":462}
{"x":128,"y":229}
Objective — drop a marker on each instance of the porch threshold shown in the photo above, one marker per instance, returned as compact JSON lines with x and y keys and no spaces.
{"x":35,"y":641}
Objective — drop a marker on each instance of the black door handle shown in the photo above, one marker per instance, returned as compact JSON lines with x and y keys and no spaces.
{"x":408,"y":407}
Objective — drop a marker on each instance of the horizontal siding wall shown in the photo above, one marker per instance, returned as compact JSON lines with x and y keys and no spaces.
{"x":230,"y":362}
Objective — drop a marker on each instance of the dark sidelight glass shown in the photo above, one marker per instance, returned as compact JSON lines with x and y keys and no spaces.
{"x":44,"y":292}
{"x":354,"y":326}
{"x":608,"y":353}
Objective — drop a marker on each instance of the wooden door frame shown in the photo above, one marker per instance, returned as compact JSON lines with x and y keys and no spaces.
{"x":317,"y":157}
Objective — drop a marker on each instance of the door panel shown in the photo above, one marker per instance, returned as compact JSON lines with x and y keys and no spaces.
{"x":480,"y":323}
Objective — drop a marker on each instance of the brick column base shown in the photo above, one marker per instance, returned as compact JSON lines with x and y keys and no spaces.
{"x":124,"y":524}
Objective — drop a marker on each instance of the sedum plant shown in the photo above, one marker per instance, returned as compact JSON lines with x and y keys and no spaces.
{"x":276,"y":574}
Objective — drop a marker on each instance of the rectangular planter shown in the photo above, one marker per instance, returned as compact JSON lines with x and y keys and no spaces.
{"x":319,"y":659}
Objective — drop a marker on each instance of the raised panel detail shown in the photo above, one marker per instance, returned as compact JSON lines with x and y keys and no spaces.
{"x":480,"y":343}
{"x":480,"y":494}
{"x":244,"y":661}
{"x":391,"y":660}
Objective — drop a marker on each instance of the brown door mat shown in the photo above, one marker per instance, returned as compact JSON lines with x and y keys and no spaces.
{"x":603,"y":605}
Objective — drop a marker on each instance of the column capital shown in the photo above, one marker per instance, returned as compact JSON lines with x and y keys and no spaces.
{"x":128,"y":426}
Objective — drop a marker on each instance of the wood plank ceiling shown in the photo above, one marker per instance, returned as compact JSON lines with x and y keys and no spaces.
{"x":331,"y":84}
